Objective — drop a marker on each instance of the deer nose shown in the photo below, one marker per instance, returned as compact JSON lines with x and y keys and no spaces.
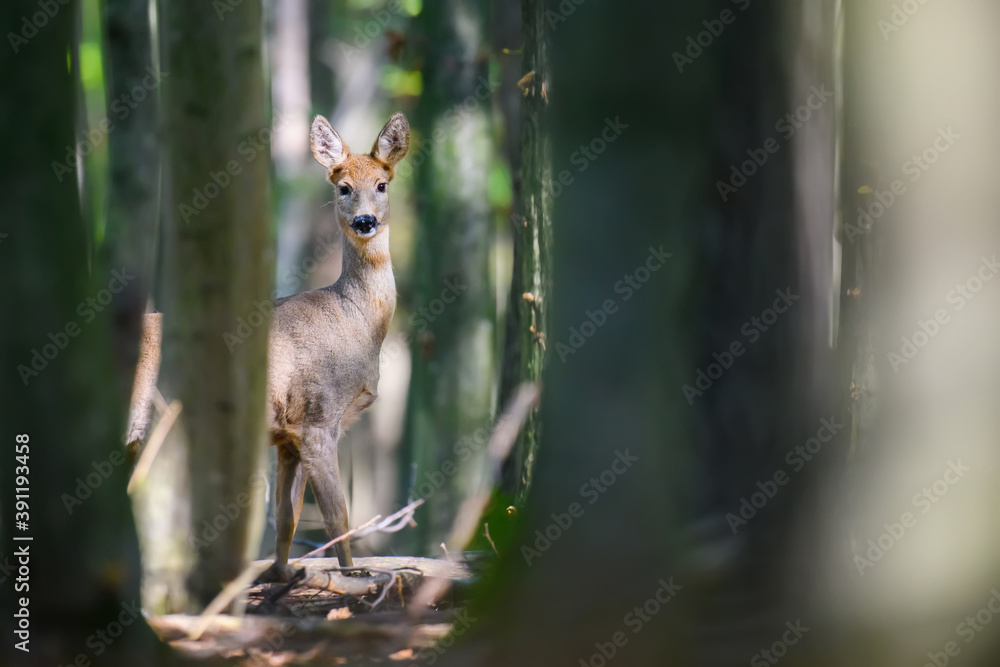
{"x":364,"y":224}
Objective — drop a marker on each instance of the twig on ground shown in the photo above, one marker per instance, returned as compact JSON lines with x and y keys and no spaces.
{"x":339,"y":538}
{"x":394,"y":522}
{"x":385,"y":589}
{"x":390,"y":524}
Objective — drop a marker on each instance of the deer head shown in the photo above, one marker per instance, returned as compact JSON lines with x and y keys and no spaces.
{"x":361,"y":182}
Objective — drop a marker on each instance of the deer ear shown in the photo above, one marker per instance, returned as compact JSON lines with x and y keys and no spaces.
{"x":327,"y":146}
{"x":393,"y":141}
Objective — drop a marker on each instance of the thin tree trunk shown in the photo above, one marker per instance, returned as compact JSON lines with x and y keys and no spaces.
{"x":527,"y":313}
{"x":218,"y":275}
{"x":131,"y":83}
{"x":451,"y":387}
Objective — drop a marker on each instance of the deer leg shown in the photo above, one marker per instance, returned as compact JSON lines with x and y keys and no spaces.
{"x":290,"y":486}
{"x":319,"y":456}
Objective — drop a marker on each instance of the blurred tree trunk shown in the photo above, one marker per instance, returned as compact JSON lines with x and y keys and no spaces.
{"x":635,"y":481}
{"x":527,"y":313}
{"x":57,"y":358}
{"x":134,"y":165}
{"x":320,"y":73}
{"x":132,"y":231}
{"x":218,"y":276}
{"x":452,"y":383}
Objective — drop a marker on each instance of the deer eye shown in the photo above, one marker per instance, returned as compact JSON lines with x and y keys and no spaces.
{"x":345,"y":190}
{"x":380,"y":187}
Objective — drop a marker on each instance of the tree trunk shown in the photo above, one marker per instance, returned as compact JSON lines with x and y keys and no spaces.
{"x":527,"y":313}
{"x":452,"y":383}
{"x":218,"y":276}
{"x":134,"y":165}
{"x":57,"y":354}
{"x":918,"y":343}
{"x":637,"y":475}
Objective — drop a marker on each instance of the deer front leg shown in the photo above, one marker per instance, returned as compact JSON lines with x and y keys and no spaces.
{"x":290,"y":487}
{"x":319,"y":457}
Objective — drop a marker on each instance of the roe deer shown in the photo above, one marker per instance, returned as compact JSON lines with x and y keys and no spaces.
{"x":323,"y":355}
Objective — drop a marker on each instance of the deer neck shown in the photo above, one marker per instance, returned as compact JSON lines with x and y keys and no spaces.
{"x":366,"y":281}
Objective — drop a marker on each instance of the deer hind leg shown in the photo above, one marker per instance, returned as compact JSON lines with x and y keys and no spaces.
{"x":319,"y":457}
{"x":290,"y":487}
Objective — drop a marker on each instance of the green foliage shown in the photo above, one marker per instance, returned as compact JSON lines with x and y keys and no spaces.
{"x":500,"y":190}
{"x":400,"y":82}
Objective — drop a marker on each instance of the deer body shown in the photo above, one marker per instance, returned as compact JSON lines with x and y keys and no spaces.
{"x":323,"y":363}
{"x":324,"y":346}
{"x":323,"y":371}
{"x":308,"y":334}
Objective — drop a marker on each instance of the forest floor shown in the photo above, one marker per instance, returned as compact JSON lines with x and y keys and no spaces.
{"x":383,"y":610}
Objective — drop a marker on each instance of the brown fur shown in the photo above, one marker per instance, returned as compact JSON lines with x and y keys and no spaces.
{"x":323,"y":355}
{"x":144,"y":387}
